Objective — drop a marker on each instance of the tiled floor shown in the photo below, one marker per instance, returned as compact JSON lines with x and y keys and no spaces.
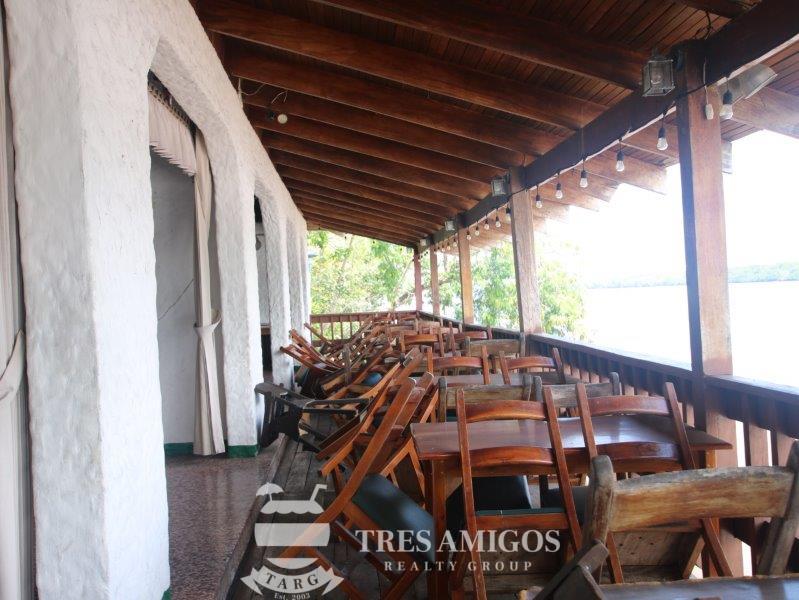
{"x":211,"y":511}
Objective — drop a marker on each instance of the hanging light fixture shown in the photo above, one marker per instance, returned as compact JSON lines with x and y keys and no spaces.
{"x":538,"y":202}
{"x":558,"y":189}
{"x":663,"y":143}
{"x":476,"y":231}
{"x":726,"y":105}
{"x":583,"y":176}
{"x":499,"y":186}
{"x":658,"y":76}
{"x":468,"y":235}
{"x":486,"y":226}
{"x":507,"y":214}
{"x":620,"y":160}
{"x":497,"y":222}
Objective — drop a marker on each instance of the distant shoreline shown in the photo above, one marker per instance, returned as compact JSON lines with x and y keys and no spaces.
{"x":675,"y":284}
{"x":748,"y":274}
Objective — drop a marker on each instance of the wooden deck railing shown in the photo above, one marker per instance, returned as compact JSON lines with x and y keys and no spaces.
{"x":766,"y":414}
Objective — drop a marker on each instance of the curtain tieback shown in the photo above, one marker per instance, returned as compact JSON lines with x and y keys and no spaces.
{"x":12,"y":375}
{"x":204,"y":331}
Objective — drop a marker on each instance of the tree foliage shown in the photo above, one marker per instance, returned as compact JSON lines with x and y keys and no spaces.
{"x":352,"y":273}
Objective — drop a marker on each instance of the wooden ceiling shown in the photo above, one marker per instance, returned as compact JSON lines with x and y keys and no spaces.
{"x":401,"y":111}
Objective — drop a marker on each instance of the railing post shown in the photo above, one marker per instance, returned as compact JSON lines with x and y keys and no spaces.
{"x":436,"y":299}
{"x":465,"y":266}
{"x":523,"y":239}
{"x":417,"y":279}
{"x":705,"y":255}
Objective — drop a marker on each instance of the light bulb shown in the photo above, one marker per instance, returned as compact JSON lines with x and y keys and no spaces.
{"x":663,"y":143}
{"x":497,"y":222}
{"x":558,"y":191}
{"x":486,"y":226}
{"x":282,"y":118}
{"x":620,"y":161}
{"x":583,"y":179}
{"x":507,"y":215}
{"x":476,"y":231}
{"x":538,"y":202}
{"x":468,"y":236}
{"x":726,"y":106}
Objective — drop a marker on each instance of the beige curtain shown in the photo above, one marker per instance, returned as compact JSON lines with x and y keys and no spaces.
{"x":208,"y":437}
{"x":170,"y":135}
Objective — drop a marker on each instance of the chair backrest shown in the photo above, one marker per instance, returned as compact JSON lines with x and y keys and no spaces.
{"x":409,"y":340}
{"x":531,"y":389}
{"x":663,"y":498}
{"x":643,"y":456}
{"x":441,"y":365}
{"x":565,"y":395}
{"x":534,"y":363}
{"x":493,"y":347}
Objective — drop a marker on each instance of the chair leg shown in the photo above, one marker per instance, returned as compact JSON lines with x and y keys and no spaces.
{"x":613,"y":560}
{"x":400,"y":586}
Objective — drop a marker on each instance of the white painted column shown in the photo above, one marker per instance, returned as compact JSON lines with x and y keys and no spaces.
{"x":275,"y":239}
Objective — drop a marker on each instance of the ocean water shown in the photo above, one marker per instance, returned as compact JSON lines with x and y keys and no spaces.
{"x":654,"y":321}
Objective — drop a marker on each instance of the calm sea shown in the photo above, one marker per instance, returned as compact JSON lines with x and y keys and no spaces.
{"x":654,"y":321}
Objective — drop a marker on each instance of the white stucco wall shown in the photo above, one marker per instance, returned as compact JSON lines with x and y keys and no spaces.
{"x":79,"y":102}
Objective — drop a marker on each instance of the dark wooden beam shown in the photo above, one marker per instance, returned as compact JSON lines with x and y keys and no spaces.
{"x":391,"y":62}
{"x":365,"y":179}
{"x":724,"y":8}
{"x":524,"y":37}
{"x":386,"y":100}
{"x":361,"y":217}
{"x":765,"y":29}
{"x":365,"y":192}
{"x":377,"y":166}
{"x":308,"y":186}
{"x":389,"y":128}
{"x":368,"y":144}
{"x":357,"y":229}
{"x":370,"y":208}
{"x":769,"y":109}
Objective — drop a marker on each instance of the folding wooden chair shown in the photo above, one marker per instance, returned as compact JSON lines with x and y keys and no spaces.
{"x":530,"y":389}
{"x":704,"y":494}
{"x":536,"y":364}
{"x":643,"y":458}
{"x":434,"y":341}
{"x":454,"y":364}
{"x":521,"y":460}
{"x":369,"y":502}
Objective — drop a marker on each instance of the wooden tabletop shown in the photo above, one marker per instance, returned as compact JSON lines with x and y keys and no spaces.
{"x":728,"y":588}
{"x":439,"y":441}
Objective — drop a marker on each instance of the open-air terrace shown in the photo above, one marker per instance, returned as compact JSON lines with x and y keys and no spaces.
{"x":294,"y":301}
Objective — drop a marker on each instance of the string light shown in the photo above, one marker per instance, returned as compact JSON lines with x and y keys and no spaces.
{"x":558,"y":189}
{"x":620,"y":159}
{"x":507,"y":214}
{"x":663,"y":143}
{"x":726,"y":105}
{"x":476,"y":231}
{"x":497,"y":222}
{"x":538,"y":202}
{"x":583,"y":176}
{"x":486,"y":226}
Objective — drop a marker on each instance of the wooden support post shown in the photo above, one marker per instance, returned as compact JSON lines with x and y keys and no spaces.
{"x":417,"y":279}
{"x":434,"y":283}
{"x":465,"y":265}
{"x":705,"y":258}
{"x":523,"y":238}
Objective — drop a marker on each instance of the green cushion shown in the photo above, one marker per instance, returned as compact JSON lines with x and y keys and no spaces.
{"x":393,"y":510}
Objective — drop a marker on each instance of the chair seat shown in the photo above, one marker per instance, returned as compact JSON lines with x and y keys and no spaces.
{"x":507,"y":493}
{"x":553,"y":498}
{"x":393,"y":510}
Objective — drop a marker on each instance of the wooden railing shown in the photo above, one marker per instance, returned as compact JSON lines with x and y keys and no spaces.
{"x":766,"y":415}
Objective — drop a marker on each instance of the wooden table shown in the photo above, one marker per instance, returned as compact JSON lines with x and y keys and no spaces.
{"x":728,"y":588}
{"x":437,"y":447}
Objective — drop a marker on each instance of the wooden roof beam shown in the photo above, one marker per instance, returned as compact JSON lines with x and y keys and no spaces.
{"x":391,"y":62}
{"x":361,"y":217}
{"x":358,"y":229}
{"x":389,"y":128}
{"x":528,"y":38}
{"x":377,"y":166}
{"x":724,"y":8}
{"x":374,"y":146}
{"x":769,"y":109}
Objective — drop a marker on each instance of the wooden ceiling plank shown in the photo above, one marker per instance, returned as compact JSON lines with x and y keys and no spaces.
{"x":361,"y":218}
{"x":390,"y":62}
{"x":377,"y":166}
{"x":365,"y":179}
{"x":373,"y":146}
{"x":723,"y":8}
{"x":389,"y":128}
{"x":369,"y":205}
{"x":524,"y":37}
{"x":359,"y":229}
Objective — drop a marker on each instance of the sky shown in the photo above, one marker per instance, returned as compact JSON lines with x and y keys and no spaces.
{"x":640,"y":232}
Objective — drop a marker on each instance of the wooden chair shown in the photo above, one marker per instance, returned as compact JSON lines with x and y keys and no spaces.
{"x":537,"y":364}
{"x":512,"y":347}
{"x":457,"y":338}
{"x":453,"y":364}
{"x":565,"y":396}
{"x":434,"y":341}
{"x":523,"y":461}
{"x":704,"y":494}
{"x":369,"y":502}
{"x":574,"y":581}
{"x":638,"y":458}
{"x":531,"y":389}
